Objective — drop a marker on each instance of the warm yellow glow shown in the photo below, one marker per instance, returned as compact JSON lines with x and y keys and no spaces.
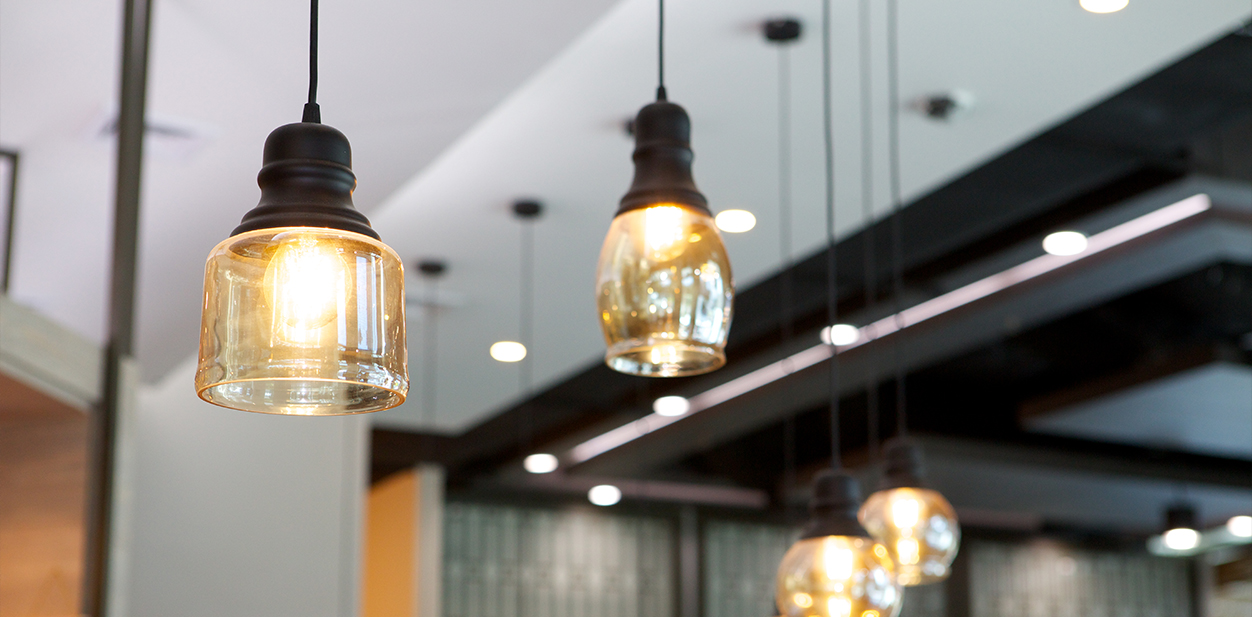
{"x":837,"y":576}
{"x":917,"y":529}
{"x":508,"y":351}
{"x":664,"y":292}
{"x":735,"y":221}
{"x":303,"y":321}
{"x":1103,"y":6}
{"x":907,"y":551}
{"x":905,"y":513}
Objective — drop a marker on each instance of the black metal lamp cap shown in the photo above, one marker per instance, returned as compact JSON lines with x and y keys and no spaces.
{"x":903,"y":465}
{"x":1180,"y":516}
{"x":663,"y":160}
{"x":306,"y":181}
{"x":782,"y":30}
{"x":836,"y":499}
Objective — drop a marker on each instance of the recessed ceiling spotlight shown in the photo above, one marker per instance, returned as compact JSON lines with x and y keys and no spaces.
{"x":1240,"y":526}
{"x":541,"y":463}
{"x":1065,"y":243}
{"x":604,"y":495}
{"x":735,"y":221}
{"x":841,"y":334}
{"x":508,"y":351}
{"x":1103,"y":6}
{"x":671,"y":406}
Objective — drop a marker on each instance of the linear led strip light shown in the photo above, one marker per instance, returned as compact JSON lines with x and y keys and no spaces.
{"x":996,"y":283}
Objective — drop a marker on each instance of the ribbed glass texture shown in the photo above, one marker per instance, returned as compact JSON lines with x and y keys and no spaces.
{"x":837,"y":576}
{"x":664,"y":292}
{"x":303,"y":321}
{"x":918,"y":527}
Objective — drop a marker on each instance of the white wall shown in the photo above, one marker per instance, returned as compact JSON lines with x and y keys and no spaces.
{"x":238,"y":514}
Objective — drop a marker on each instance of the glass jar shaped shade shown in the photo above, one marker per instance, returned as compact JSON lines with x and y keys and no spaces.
{"x":303,"y":321}
{"x":664,"y":292}
{"x":918,"y":527}
{"x":837,"y":576}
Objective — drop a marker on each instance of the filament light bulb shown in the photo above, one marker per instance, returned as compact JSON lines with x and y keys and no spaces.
{"x":304,"y":286}
{"x":837,"y":576}
{"x":918,"y":529}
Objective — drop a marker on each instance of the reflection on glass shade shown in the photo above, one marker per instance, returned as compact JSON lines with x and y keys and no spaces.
{"x":303,"y":321}
{"x":919,"y":529}
{"x":664,"y":292}
{"x":837,"y":576}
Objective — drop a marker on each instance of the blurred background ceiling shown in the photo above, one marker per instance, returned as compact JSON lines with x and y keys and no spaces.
{"x":1099,"y":393}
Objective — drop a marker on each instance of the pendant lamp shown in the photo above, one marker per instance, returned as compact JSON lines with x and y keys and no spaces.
{"x":916,"y":524}
{"x":836,"y":569}
{"x":663,"y":285}
{"x":303,"y":304}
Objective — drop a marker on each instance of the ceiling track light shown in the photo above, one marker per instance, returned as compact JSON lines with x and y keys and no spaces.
{"x":663,"y":287}
{"x":836,"y":569}
{"x":1180,"y":528}
{"x":303,"y":304}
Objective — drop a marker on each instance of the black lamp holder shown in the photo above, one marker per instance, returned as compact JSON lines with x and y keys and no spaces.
{"x":306,"y":177}
{"x":832,"y":511}
{"x":903,"y":465}
{"x":782,"y":30}
{"x":663,"y":160}
{"x":1180,"y":516}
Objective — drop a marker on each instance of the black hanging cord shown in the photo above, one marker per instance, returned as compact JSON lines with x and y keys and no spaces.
{"x":311,"y":111}
{"x":867,"y":205}
{"x":784,"y":191}
{"x":897,"y":208}
{"x":527,"y":212}
{"x":832,"y":293}
{"x":660,"y":52}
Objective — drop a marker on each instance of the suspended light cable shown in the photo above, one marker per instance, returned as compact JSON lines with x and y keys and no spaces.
{"x":867,"y":208}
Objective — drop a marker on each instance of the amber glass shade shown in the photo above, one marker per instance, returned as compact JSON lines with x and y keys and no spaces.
{"x":664,"y":292}
{"x":303,"y":321}
{"x":918,"y":527}
{"x":837,"y":576}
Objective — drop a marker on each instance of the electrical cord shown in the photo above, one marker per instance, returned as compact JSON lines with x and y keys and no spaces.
{"x":832,"y":293}
{"x":867,"y":206}
{"x":660,"y":52}
{"x":311,"y":111}
{"x":897,"y":208}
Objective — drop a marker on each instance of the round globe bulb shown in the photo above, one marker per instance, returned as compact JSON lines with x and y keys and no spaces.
{"x":604,"y":495}
{"x":919,"y":529}
{"x":1240,"y":526}
{"x":837,"y":576}
{"x":664,"y":292}
{"x":1181,"y":539}
{"x":303,"y":321}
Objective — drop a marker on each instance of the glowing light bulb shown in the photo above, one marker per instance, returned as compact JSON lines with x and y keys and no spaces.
{"x":664,"y":232}
{"x":540,"y":463}
{"x":1103,"y":6}
{"x":1181,"y":539}
{"x":735,"y":221}
{"x":304,"y":284}
{"x":508,"y":351}
{"x":1240,"y":526}
{"x":671,"y":406}
{"x":840,"y":334}
{"x":917,"y":529}
{"x":837,"y":576}
{"x":604,"y":495}
{"x":1065,"y":243}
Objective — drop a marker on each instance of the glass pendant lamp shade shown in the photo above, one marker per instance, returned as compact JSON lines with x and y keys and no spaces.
{"x":917,"y":525}
{"x":303,"y":305}
{"x":664,"y":285}
{"x":836,"y":569}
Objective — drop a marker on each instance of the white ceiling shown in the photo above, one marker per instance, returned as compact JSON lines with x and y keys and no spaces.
{"x":1206,"y":409}
{"x":456,"y":109}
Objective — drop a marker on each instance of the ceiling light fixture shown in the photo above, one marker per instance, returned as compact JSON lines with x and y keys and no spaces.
{"x":1240,"y":526}
{"x":735,"y":221}
{"x":1180,"y":528}
{"x":663,"y":287}
{"x":541,"y":463}
{"x":916,"y":524}
{"x":1065,"y":243}
{"x":836,"y":569}
{"x":303,"y":304}
{"x":840,"y":335}
{"x":671,"y":406}
{"x":508,"y":351}
{"x":1103,"y":6}
{"x":604,"y":495}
